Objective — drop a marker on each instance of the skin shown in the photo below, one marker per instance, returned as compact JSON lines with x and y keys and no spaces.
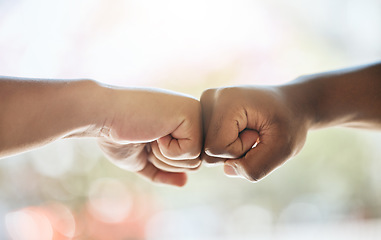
{"x":277,"y":119}
{"x":156,"y":133}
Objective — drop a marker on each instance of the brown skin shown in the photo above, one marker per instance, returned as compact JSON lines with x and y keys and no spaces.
{"x":279,"y":117}
{"x":153,"y":132}
{"x":159,"y":134}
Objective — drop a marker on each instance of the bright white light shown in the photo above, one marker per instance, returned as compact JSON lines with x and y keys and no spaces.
{"x":299,"y":212}
{"x":200,"y":222}
{"x":61,"y":219}
{"x":109,"y":200}
{"x":54,"y":159}
{"x":28,"y":225}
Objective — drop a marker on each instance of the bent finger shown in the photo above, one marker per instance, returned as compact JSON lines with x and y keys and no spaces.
{"x":259,"y":161}
{"x":185,"y":142}
{"x":164,"y":166}
{"x":243,"y":141}
{"x":212,"y":161}
{"x":156,"y":175}
{"x":183,"y":164}
{"x":207,"y":101}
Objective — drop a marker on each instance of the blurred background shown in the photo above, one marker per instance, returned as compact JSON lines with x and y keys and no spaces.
{"x":68,"y":190}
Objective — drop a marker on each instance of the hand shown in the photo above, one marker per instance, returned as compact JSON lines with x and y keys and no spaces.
{"x":154,"y":133}
{"x":238,"y":118}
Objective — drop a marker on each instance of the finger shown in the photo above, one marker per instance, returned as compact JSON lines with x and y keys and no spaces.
{"x":185,"y":141}
{"x":231,"y":139}
{"x":230,"y":171}
{"x":156,"y":175}
{"x":244,"y":142}
{"x":207,"y":100}
{"x":166,"y":167}
{"x":166,"y":164}
{"x":162,"y":165}
{"x":212,"y":161}
{"x":260,"y":161}
{"x":225,"y":126}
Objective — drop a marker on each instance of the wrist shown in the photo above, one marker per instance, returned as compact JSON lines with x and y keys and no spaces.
{"x":303,"y":100}
{"x":89,"y":105}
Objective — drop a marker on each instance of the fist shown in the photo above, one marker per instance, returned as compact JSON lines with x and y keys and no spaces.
{"x":156,"y":133}
{"x":252,"y":131}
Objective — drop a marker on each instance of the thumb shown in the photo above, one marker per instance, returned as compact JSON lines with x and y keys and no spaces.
{"x":259,"y":161}
{"x":183,"y":143}
{"x":229,"y":138}
{"x":243,"y":143}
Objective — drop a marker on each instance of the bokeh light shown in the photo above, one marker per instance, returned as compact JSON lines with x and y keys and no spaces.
{"x":29,"y":224}
{"x":69,"y":190}
{"x":109,"y":200}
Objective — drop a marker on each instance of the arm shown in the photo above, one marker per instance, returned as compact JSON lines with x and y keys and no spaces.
{"x":148,"y":131}
{"x":36,"y":112}
{"x":278,"y":118}
{"x":349,"y":97}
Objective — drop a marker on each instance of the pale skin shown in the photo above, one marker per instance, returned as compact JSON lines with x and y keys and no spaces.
{"x":153,"y":132}
{"x":158,"y":134}
{"x":276,"y":119}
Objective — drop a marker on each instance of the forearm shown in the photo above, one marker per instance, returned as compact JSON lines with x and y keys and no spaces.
{"x":36,"y":112}
{"x":349,"y":97}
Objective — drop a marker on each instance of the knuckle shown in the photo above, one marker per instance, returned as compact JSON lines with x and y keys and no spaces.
{"x":194,"y":154}
{"x":211,"y":161}
{"x":193,"y":102}
{"x":214,"y":151}
{"x":208,"y":92}
{"x":178,"y":155}
{"x":187,"y":156}
{"x":196,"y":163}
{"x":223,"y":152}
{"x":194,"y":150}
{"x":226,"y":92}
{"x":173,"y":155}
{"x":194,"y":167}
{"x":214,"y":147}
